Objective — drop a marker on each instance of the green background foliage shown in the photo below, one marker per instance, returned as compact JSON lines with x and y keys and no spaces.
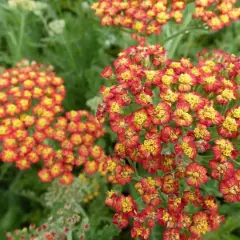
{"x":78,"y":55}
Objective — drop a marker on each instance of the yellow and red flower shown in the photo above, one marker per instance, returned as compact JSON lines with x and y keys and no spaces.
{"x":121,"y":220}
{"x":148,"y":17}
{"x":201,"y":223}
{"x":230,"y":189}
{"x":172,"y":233}
{"x":221,"y":170}
{"x":196,"y":175}
{"x":223,"y":150}
{"x":187,"y":146}
{"x":181,"y":115}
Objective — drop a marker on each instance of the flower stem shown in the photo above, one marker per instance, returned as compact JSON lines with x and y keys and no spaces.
{"x":69,"y":235}
{"x":81,"y":210}
{"x":133,"y":164}
{"x":4,"y":170}
{"x":20,"y":38}
{"x":183,"y":31}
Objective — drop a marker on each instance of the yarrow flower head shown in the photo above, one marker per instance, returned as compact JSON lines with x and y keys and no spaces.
{"x":149,"y":16}
{"x":33,"y":128}
{"x":31,"y":97}
{"x":144,"y":17}
{"x":75,"y":135}
{"x":165,"y":114}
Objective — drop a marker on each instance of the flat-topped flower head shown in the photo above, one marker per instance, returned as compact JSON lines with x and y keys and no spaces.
{"x":32,"y":130}
{"x":75,"y":134}
{"x":148,"y":17}
{"x":176,"y":122}
{"x":31,"y":97}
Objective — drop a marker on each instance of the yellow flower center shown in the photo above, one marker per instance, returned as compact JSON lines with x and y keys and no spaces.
{"x":115,"y":108}
{"x":199,"y":132}
{"x":167,"y":79}
{"x":182,"y":114}
{"x":236,"y":113}
{"x":150,"y":75}
{"x":192,"y":99}
{"x":126,"y":207}
{"x":126,"y":76}
{"x":145,"y":98}
{"x":140,"y":118}
{"x":210,"y":80}
{"x":202,"y":226}
{"x":185,"y":78}
{"x":208,"y":112}
{"x":228,"y":94}
{"x":150,"y":145}
{"x":230,"y":124}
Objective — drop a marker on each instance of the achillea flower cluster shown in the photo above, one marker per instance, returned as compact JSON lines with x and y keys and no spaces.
{"x":33,"y":130}
{"x":217,"y":14}
{"x":178,"y":122}
{"x":148,"y":16}
{"x":31,"y":97}
{"x":73,"y":138}
{"x":142,"y":16}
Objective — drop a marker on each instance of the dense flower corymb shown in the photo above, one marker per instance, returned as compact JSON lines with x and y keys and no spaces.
{"x":165,"y":114}
{"x":148,"y":16}
{"x":31,"y":97}
{"x":75,"y":135}
{"x":32,"y":128}
{"x":145,"y":16}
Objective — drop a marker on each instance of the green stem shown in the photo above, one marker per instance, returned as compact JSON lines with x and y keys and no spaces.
{"x":189,"y":43}
{"x":44,"y":22}
{"x":69,"y":235}
{"x":226,"y":108}
{"x":12,"y":186}
{"x":174,"y":46}
{"x":31,"y":198}
{"x":137,"y":177}
{"x":81,"y":210}
{"x":236,"y":162}
{"x":185,"y":30}
{"x":71,"y":57}
{"x":20,"y":38}
{"x":4,"y":170}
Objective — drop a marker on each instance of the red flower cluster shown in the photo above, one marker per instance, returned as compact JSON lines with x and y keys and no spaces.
{"x":73,"y":136}
{"x":31,"y":97}
{"x":148,"y":16}
{"x":217,"y":14}
{"x":30,"y":129}
{"x":180,"y":122}
{"x":118,"y":172}
{"x":179,"y":224}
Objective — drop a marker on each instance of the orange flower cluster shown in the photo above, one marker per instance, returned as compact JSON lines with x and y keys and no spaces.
{"x":148,"y":16}
{"x":178,"y":122}
{"x":31,"y":97}
{"x":73,"y":137}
